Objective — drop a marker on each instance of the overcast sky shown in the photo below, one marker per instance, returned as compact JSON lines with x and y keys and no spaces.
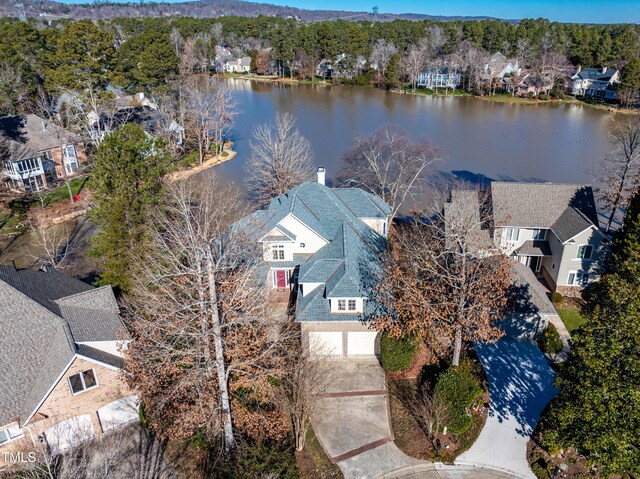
{"x":582,"y":11}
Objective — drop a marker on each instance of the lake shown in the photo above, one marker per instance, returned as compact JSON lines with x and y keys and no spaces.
{"x":562,"y":143}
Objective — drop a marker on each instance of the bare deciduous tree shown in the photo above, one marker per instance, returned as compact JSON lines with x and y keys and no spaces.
{"x":429,"y":410}
{"x":389,"y":165}
{"x":381,"y":55}
{"x":280,"y":160}
{"x":51,"y":246}
{"x":414,"y":60}
{"x":308,"y":376}
{"x":203,"y":354}
{"x":209,"y":112}
{"x":446,"y":280}
{"x":620,"y":174}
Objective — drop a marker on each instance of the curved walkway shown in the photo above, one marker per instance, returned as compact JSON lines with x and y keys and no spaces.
{"x":520,"y":386}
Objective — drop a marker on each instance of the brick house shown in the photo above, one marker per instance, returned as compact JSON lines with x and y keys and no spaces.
{"x":60,"y":382}
{"x":39,"y":153}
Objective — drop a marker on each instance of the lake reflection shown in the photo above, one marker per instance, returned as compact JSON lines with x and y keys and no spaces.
{"x":562,"y":143}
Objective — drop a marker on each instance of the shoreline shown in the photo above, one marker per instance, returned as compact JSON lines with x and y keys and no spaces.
{"x":504,"y":99}
{"x":209,"y":163}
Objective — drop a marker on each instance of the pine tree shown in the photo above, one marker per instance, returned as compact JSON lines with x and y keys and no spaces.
{"x":127,"y":184}
{"x":598,"y":407}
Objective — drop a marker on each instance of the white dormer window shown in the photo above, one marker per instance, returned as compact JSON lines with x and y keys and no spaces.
{"x":277,"y":252}
{"x":346,"y":305}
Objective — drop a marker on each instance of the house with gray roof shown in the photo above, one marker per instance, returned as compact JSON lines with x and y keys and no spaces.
{"x":591,"y":81}
{"x":498,"y":66}
{"x":553,"y":229}
{"x":324,"y":245}
{"x":61,"y":348}
{"x":38,"y":152}
{"x":238,"y":65}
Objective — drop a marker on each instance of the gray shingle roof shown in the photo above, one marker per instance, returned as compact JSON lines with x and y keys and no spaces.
{"x":101,"y":356}
{"x":527,"y":295}
{"x":596,"y":74}
{"x":42,"y":316}
{"x":539,"y":205}
{"x":349,"y":263}
{"x":570,"y":223}
{"x":462,"y":219}
{"x":534,"y":248}
{"x":31,"y":134}
{"x":93,"y":315}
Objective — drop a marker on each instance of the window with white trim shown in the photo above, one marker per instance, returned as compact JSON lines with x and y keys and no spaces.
{"x":512,"y":234}
{"x":539,"y":235}
{"x":578,"y":278}
{"x":70,"y":159}
{"x":342,"y":305}
{"x":351,"y":305}
{"x":9,"y":434}
{"x":277,"y":252}
{"x":83,"y":381}
{"x":584,"y":251}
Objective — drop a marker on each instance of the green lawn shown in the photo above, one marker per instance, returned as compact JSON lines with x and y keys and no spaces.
{"x":571,"y":318}
{"x":11,"y":223}
{"x":61,"y":193}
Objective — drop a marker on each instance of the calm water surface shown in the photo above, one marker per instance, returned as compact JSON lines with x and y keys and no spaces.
{"x":562,"y":143}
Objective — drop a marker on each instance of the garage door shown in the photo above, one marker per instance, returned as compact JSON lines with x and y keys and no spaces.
{"x":361,"y":343}
{"x":325,"y":343}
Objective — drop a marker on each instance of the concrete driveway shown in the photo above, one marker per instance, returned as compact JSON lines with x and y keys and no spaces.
{"x":520,"y":386}
{"x":352,"y":422}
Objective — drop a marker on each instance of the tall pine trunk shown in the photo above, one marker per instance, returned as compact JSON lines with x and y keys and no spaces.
{"x":216,"y":332}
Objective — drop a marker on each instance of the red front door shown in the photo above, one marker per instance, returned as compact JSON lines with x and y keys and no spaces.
{"x":281,"y":278}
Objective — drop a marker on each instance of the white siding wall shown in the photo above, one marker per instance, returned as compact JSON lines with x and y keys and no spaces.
{"x":304,"y":235}
{"x":570,"y":262}
{"x":380,"y":226}
{"x":308,"y":287}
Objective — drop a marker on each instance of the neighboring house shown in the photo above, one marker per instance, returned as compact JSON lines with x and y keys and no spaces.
{"x":533,"y":83}
{"x":61,"y":347}
{"x":590,"y":81}
{"x":39,"y":152}
{"x":324,"y":69}
{"x":238,"y":65}
{"x":145,"y":116}
{"x":323,"y":244}
{"x":553,"y":229}
{"x":439,"y":77}
{"x":498,"y":66}
{"x":599,"y":91}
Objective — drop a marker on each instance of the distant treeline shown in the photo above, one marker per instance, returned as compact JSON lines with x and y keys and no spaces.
{"x":147,"y":53}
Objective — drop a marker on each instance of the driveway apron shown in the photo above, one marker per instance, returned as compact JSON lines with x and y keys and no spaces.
{"x":352,"y":422}
{"x":520,"y":386}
